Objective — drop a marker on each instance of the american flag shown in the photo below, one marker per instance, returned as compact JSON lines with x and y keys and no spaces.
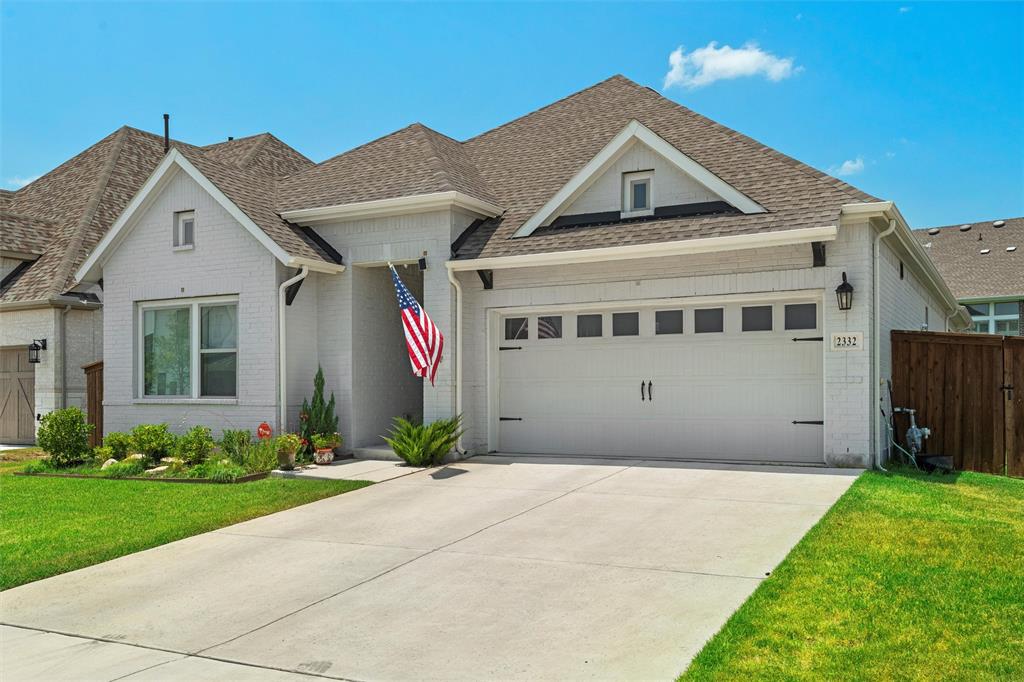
{"x":422,"y":337}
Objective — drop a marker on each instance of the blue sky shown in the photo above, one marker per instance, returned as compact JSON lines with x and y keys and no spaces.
{"x":922,"y":103}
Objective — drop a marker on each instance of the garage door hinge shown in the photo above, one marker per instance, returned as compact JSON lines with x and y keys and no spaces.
{"x":810,"y":338}
{"x":510,"y":419}
{"x":510,"y":347}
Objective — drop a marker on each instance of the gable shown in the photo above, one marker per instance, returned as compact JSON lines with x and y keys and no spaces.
{"x":635,"y":133}
{"x":669,"y":187}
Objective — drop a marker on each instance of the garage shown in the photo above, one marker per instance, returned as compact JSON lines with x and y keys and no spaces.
{"x":726,"y":381}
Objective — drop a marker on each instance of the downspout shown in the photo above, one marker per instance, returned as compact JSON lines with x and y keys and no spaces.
{"x":64,"y":356}
{"x":282,"y":358}
{"x":876,"y":397}
{"x":458,"y":351}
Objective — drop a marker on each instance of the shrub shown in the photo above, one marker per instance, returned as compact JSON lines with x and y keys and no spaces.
{"x":102,"y":454}
{"x":195,"y":446}
{"x":120,"y":443}
{"x":288,"y":443}
{"x":37,"y":466}
{"x":317,"y":416}
{"x":326,"y":441}
{"x":124,"y":469}
{"x":152,"y":440}
{"x":64,"y":434}
{"x":424,"y":445}
{"x":220,"y":470}
{"x":233,"y":440}
{"x":258,"y":456}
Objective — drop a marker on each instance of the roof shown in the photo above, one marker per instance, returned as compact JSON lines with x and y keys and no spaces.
{"x":971,"y":273}
{"x":64,"y":214}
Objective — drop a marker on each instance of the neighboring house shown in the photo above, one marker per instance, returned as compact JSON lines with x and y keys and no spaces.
{"x":615,"y":275}
{"x":983,"y":263}
{"x":46,"y":230}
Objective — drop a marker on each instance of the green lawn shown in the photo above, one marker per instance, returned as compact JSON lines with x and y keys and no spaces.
{"x":54,"y":525}
{"x":909,"y":576}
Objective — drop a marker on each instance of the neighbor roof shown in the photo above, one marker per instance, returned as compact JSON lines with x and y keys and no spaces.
{"x":977,"y":262}
{"x":64,"y":214}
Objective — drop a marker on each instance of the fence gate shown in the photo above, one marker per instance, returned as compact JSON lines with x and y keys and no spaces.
{"x":94,"y":400}
{"x":969,"y":390}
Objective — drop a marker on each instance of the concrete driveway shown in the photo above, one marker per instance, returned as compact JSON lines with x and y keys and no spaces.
{"x":493,"y":568}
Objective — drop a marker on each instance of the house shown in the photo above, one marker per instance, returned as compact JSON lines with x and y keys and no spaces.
{"x":615,"y":275}
{"x":47,"y":228}
{"x":983,"y":263}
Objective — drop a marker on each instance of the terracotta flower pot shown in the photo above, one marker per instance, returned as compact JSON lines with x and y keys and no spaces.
{"x":323,"y":456}
{"x":285,"y":460}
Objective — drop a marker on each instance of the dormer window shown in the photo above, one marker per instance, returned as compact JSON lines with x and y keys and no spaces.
{"x":184,"y":230}
{"x":636,"y":194}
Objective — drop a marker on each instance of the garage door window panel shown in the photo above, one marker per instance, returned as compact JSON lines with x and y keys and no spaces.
{"x":549,"y":327}
{"x":589,"y":326}
{"x":801,"y":316}
{"x":708,"y":320}
{"x":757,"y":318}
{"x":517,"y":328}
{"x":625,"y":324}
{"x":668,"y":322}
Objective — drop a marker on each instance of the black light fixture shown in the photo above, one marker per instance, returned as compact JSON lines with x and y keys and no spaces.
{"x":844,"y":294}
{"x":34,"y":348}
{"x":422,"y":262}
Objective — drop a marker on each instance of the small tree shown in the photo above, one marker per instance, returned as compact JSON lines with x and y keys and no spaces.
{"x":64,"y":434}
{"x":317,"y":416}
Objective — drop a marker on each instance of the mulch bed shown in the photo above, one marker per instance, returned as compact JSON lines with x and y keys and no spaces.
{"x":152,"y":479}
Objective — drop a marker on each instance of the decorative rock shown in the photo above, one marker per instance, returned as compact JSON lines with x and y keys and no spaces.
{"x":108,"y":463}
{"x":156,"y":470}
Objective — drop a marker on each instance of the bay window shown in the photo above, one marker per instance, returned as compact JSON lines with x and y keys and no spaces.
{"x":188,"y":349}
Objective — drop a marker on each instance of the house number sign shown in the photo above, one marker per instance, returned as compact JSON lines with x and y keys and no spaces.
{"x":847,"y":340}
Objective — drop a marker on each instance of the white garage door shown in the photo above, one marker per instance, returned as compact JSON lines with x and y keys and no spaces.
{"x":735,"y":382}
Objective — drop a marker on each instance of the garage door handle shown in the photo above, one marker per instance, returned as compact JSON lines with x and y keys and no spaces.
{"x":650,"y":391}
{"x":642,"y":390}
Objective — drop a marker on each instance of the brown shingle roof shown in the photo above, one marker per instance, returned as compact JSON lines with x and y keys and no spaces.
{"x":969,"y":272}
{"x":413,"y":160}
{"x":64,"y":214}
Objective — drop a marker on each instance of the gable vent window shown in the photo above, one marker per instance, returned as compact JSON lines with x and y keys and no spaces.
{"x":184,"y":230}
{"x":636,"y":194}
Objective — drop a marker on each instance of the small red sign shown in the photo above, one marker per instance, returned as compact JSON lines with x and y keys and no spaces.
{"x":263,"y":431}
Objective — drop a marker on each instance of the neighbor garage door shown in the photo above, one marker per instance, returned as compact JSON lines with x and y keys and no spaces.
{"x":733,"y":382}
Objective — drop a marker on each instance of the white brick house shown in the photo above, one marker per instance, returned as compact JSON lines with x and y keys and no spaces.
{"x":615,"y":276}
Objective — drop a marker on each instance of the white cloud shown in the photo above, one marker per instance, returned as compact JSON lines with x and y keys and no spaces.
{"x":19,"y":182}
{"x":849,"y":167}
{"x":904,"y":9}
{"x":711,"y":63}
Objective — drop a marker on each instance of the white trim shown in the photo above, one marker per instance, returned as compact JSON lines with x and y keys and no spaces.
{"x":91,"y":269}
{"x":678,"y":248}
{"x":635,"y":131}
{"x":416,"y":203}
{"x":630,"y":179}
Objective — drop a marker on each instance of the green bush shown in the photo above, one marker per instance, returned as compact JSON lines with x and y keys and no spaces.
{"x":317,"y":416}
{"x":195,"y":446}
{"x":424,"y":445}
{"x":37,"y":466}
{"x":233,"y":440}
{"x":120,"y":443}
{"x":102,"y":454}
{"x":258,"y":456}
{"x":64,"y":434}
{"x":219,"y":470}
{"x":152,"y":440}
{"x":124,"y":469}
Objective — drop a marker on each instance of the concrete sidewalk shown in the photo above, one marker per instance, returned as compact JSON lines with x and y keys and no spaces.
{"x":497,"y":567}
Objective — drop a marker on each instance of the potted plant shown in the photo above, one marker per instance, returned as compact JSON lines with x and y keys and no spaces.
{"x":287,"y":445}
{"x":323,"y":445}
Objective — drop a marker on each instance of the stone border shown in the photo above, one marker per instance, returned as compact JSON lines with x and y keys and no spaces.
{"x":241,"y":479}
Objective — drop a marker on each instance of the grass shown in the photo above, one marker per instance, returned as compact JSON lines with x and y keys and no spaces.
{"x":908,"y":576}
{"x":54,"y":525}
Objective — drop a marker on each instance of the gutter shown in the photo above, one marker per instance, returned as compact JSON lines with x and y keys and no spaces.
{"x":282,"y":358}
{"x":653,"y":250}
{"x":63,"y":327}
{"x":458,"y":351}
{"x":876,"y":360}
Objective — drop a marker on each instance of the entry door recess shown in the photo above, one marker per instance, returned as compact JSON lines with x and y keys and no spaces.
{"x":743,"y":388}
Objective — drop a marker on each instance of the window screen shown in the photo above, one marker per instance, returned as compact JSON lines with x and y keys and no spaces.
{"x":757,"y":318}
{"x":801,"y":316}
{"x":708,"y":320}
{"x":668,"y":322}
{"x":516,"y":328}
{"x":625,"y":324}
{"x":549,"y":327}
{"x":588,"y":326}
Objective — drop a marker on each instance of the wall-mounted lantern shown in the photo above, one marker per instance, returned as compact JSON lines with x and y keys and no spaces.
{"x":844,"y":294}
{"x":34,"y":348}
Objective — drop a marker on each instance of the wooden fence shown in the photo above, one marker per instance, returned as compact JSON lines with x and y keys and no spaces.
{"x":969,"y":390}
{"x":94,"y":400}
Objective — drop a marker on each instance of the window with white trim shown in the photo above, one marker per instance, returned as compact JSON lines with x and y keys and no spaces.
{"x":1002,"y":317}
{"x":188,"y":349}
{"x":636,"y":194}
{"x":184,"y":230}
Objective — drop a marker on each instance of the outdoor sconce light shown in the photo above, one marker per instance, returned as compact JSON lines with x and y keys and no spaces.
{"x":422,"y":262}
{"x":844,"y":294}
{"x":34,"y":348}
